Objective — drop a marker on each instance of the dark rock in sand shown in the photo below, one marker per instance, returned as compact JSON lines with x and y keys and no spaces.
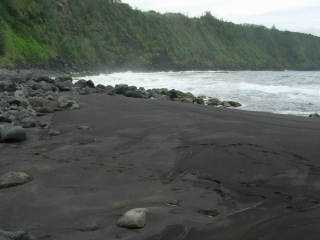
{"x":28,"y":122}
{"x":314,"y":115}
{"x":65,"y":103}
{"x":54,"y":133}
{"x":9,"y":133}
{"x":13,"y":179}
{"x":199,"y":100}
{"x":214,"y":102}
{"x":130,"y":91}
{"x":85,"y":87}
{"x":133,"y":219}
{"x":208,"y":212}
{"x":43,"y":104}
{"x":230,"y":104}
{"x":83,"y":127}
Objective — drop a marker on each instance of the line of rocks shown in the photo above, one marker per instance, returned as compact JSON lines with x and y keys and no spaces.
{"x":87,"y":87}
{"x":24,"y":99}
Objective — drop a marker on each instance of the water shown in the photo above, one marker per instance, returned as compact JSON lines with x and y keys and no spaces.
{"x":287,"y":92}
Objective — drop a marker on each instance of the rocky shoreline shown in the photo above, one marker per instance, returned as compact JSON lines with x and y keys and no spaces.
{"x":25,"y":99}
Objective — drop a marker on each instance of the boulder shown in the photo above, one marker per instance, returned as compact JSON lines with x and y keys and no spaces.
{"x":226,"y":104}
{"x":8,"y":86}
{"x":66,"y":103}
{"x":199,"y":100}
{"x":54,"y":133}
{"x":314,"y":115}
{"x":133,"y":219}
{"x":130,"y":91}
{"x":234,"y":104}
{"x":28,"y":122}
{"x":44,"y":79}
{"x":43,"y":104}
{"x":101,"y":88}
{"x":64,"y":83}
{"x":213,"y":102}
{"x":9,"y":133}
{"x":13,"y":179}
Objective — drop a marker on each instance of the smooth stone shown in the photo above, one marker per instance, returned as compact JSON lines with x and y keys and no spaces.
{"x":10,"y":133}
{"x":12,"y":179}
{"x":209,"y":212}
{"x":314,"y":115}
{"x":54,"y":133}
{"x":133,"y":219}
{"x":83,"y":127}
{"x":213,"y":102}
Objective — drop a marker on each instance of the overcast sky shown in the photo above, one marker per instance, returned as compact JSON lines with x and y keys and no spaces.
{"x":294,"y":15}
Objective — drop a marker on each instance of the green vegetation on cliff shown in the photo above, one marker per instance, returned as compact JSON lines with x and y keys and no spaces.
{"x":91,"y":33}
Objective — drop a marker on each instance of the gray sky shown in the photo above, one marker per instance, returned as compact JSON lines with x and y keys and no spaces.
{"x":294,"y":15}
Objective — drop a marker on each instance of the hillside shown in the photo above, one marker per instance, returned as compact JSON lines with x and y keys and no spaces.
{"x":104,"y":33}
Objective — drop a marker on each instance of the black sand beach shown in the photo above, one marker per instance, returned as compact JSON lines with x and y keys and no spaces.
{"x":202,"y":173}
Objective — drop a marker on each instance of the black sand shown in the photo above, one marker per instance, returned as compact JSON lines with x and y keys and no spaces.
{"x":203,"y":173}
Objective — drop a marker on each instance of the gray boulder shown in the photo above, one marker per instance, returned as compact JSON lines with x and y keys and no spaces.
{"x":133,"y":219}
{"x":64,"y":84}
{"x":314,"y":115}
{"x":9,"y":133}
{"x":231,"y":104}
{"x":66,"y":103}
{"x":8,"y":86}
{"x":43,"y":104}
{"x":235,"y":104}
{"x":213,"y":102}
{"x":12,"y":179}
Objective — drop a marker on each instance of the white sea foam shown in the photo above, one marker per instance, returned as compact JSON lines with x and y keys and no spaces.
{"x":288,"y":92}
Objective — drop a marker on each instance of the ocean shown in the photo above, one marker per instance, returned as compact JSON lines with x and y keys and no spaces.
{"x":283,"y":92}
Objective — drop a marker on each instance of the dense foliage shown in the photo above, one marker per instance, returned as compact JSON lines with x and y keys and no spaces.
{"x":107,"y":33}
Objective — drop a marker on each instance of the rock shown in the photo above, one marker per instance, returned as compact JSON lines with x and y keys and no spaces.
{"x":54,"y":133}
{"x":226,"y":104}
{"x":28,"y":122}
{"x":65,"y":103}
{"x":5,"y":118}
{"x":13,"y":179}
{"x":157,"y":93}
{"x":64,"y":83}
{"x":7,"y":86}
{"x":234,"y":104}
{"x":213,"y":102}
{"x":314,"y":115}
{"x":209,"y":213}
{"x":199,"y":100}
{"x":130,"y":91}
{"x":85,"y":87}
{"x":90,"y":84}
{"x":83,"y":127}
{"x":9,"y":133}
{"x":133,"y":219}
{"x":43,"y":105}
{"x":230,"y":104}
{"x":44,"y":79}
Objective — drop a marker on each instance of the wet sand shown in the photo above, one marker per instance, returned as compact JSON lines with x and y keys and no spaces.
{"x":203,"y":173}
